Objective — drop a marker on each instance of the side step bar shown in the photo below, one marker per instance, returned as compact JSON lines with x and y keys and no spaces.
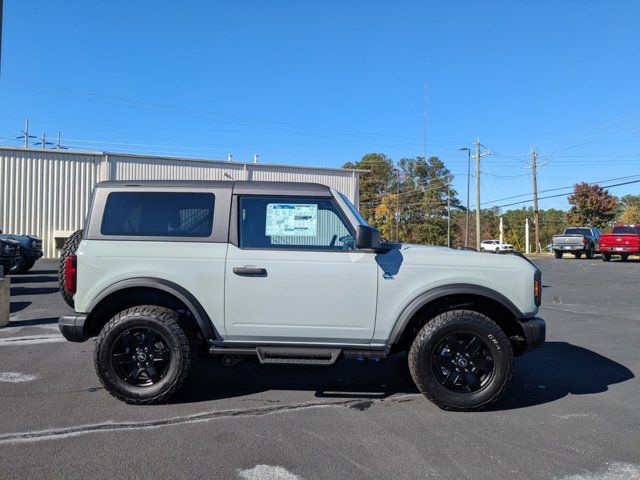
{"x":297,"y":355}
{"x":300,"y":356}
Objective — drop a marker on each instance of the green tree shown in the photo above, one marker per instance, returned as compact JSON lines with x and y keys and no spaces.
{"x":631,"y":215}
{"x":418,"y":186}
{"x":591,"y":205}
{"x":376,"y":183}
{"x":425,"y":189}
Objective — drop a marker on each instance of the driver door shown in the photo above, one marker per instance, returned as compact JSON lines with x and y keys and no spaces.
{"x":294,"y":275}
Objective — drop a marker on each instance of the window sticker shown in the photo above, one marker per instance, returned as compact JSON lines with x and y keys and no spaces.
{"x":292,"y":219}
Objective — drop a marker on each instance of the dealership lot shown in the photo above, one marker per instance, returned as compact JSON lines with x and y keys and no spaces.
{"x":573,"y":408}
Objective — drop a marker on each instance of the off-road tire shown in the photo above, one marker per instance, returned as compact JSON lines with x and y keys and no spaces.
{"x":161,"y":319}
{"x":23,"y":265}
{"x":69,"y":248}
{"x":606,"y":257}
{"x":433,"y":333}
{"x":590,"y":253}
{"x":557,"y":254}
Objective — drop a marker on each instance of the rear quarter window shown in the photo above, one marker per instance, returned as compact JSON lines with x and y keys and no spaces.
{"x":158,"y":214}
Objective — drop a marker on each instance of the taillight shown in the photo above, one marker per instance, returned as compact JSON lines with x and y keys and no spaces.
{"x":584,"y":241}
{"x":537,"y":288}
{"x":71,"y":273}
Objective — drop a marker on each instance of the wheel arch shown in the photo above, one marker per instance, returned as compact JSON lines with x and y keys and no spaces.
{"x":147,"y":290}
{"x":458,"y":296}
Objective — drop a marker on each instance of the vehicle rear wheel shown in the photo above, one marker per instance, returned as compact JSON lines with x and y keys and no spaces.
{"x":578,"y":255}
{"x":461,"y":360}
{"x":557,"y":254}
{"x":606,"y":257}
{"x":591,"y":252}
{"x":482,"y":249}
{"x":142,"y":355}
{"x":69,"y":248}
{"x":624,"y":257}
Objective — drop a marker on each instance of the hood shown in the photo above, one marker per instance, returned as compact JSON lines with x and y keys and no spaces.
{"x":410,"y":254}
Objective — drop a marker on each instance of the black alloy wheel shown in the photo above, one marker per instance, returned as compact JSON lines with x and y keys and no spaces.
{"x":140,"y":356}
{"x":143,"y":355}
{"x":462,"y":362}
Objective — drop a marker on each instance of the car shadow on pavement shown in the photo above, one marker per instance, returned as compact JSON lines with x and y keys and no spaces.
{"x":558,"y":369}
{"x":347,"y":379}
{"x":33,"y":279}
{"x":549,"y":373}
{"x":17,"y":306}
{"x":16,"y":291}
{"x":33,"y":322}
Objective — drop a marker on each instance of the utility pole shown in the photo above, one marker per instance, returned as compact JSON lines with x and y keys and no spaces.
{"x":536,"y":219}
{"x":449,"y":215}
{"x":26,"y":133}
{"x":478,"y":239}
{"x":478,"y":156}
{"x":466,"y":231}
{"x":398,"y":173}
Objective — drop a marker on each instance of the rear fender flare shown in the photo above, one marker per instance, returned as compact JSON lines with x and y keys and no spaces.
{"x":199,"y":313}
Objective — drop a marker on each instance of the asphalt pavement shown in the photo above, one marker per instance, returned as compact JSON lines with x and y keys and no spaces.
{"x":573,"y":411}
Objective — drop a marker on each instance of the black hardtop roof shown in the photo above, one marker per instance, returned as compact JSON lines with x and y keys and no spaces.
{"x":239,"y":187}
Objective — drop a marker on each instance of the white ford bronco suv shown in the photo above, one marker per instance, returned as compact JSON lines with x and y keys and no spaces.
{"x":288,"y":273}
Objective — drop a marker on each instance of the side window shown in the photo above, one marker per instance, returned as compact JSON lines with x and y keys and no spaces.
{"x":158,"y":214}
{"x":292,"y":222}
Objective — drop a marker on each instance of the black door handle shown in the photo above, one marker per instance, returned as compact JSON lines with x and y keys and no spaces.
{"x":250,"y":271}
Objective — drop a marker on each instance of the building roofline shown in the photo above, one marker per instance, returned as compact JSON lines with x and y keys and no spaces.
{"x":181,"y":159}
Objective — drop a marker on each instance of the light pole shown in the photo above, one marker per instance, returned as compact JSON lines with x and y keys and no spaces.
{"x":466,"y":231}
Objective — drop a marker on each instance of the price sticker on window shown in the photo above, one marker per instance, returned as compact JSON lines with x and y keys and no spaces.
{"x":292,"y":219}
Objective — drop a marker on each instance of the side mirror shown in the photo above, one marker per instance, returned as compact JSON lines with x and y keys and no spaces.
{"x":367,"y":238}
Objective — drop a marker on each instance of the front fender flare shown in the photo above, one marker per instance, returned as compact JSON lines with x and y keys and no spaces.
{"x":454,"y":289}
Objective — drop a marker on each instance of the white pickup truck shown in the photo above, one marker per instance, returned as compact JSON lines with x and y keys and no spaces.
{"x":288,"y":273}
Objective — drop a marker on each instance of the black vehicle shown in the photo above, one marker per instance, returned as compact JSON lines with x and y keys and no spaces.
{"x":30,"y":250}
{"x":9,"y":255}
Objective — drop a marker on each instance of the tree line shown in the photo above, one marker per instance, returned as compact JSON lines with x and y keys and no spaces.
{"x":409,"y":201}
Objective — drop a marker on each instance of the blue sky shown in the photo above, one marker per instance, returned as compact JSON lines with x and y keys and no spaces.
{"x":321,"y":83}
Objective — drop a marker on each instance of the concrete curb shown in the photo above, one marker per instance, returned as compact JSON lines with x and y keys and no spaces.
{"x":5,"y":295}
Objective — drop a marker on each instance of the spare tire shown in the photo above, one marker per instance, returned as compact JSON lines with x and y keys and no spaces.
{"x":69,"y":248}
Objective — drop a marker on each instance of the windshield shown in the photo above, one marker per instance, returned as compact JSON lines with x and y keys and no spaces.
{"x":631,"y":230}
{"x":577,"y":231}
{"x":353,"y":209}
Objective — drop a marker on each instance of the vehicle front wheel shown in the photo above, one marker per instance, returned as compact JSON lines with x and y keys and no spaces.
{"x":578,"y":255}
{"x":142,"y":355}
{"x":624,"y":257}
{"x":557,"y":254}
{"x":606,"y":257}
{"x":461,"y":360}
{"x":23,"y":265}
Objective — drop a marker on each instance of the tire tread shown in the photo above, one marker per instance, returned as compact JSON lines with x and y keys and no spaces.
{"x":163,"y":315}
{"x":440,"y":321}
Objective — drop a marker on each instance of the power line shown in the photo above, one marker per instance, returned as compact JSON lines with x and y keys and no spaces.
{"x":564,"y":194}
{"x":562,"y":188}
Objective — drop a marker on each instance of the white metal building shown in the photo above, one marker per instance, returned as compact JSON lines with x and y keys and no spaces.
{"x":46,"y":192}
